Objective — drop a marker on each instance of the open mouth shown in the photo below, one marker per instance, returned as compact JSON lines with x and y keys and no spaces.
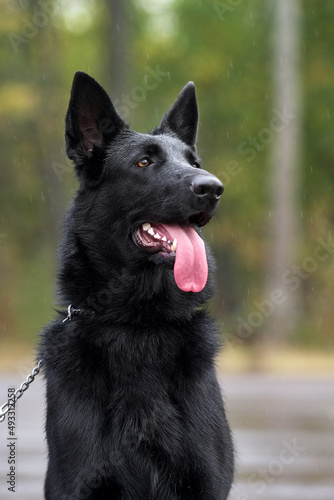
{"x":155,"y":238}
{"x":181,"y":242}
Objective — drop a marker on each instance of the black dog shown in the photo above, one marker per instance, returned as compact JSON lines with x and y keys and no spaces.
{"x":134,"y":410}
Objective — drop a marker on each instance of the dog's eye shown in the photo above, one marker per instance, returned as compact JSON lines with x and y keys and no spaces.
{"x":196,"y":164}
{"x":144,"y":162}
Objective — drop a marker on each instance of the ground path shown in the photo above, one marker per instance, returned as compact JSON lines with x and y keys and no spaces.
{"x":283,"y":430}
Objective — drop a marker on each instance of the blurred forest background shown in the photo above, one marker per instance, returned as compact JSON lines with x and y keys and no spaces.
{"x":264,"y":73}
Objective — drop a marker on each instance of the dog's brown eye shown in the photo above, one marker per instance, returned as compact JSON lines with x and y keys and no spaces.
{"x":196,"y":164}
{"x":144,"y":162}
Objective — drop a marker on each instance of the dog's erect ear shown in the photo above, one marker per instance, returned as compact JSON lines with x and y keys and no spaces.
{"x":91,"y":119}
{"x":182,"y":117}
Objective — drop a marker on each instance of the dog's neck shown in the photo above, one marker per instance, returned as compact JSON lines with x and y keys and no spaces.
{"x":160,"y":301}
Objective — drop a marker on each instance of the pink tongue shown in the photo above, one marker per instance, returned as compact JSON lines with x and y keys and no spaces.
{"x":191,"y":266}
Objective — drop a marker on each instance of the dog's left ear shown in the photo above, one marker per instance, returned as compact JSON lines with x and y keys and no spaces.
{"x":182,"y":117}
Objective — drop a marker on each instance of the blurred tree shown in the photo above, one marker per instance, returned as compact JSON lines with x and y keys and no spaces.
{"x":225,"y":48}
{"x":45,"y":76}
{"x":286,"y":126}
{"x":119,"y":63}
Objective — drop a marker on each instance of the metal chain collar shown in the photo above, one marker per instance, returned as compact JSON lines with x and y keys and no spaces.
{"x":19,"y":392}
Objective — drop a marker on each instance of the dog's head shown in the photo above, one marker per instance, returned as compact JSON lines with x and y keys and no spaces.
{"x":141,"y":196}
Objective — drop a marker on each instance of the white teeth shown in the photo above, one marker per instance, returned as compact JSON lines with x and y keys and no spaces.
{"x":149,"y":229}
{"x":174,"y":245}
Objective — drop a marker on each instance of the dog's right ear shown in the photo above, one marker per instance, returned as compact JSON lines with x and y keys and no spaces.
{"x":91,"y":123}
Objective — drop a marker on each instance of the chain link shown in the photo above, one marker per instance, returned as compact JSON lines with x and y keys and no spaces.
{"x":19,"y":392}
{"x":71,"y":311}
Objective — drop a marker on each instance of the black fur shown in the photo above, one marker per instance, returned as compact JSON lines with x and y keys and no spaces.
{"x":134,"y":409}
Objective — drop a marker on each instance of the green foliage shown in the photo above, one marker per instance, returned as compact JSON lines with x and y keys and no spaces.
{"x":226,"y":49}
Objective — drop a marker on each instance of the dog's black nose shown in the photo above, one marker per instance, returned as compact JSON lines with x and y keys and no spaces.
{"x":208,"y":187}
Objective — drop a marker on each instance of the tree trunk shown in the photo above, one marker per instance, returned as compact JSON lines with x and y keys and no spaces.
{"x":45,"y":72}
{"x":284,"y":216}
{"x":120,"y":58}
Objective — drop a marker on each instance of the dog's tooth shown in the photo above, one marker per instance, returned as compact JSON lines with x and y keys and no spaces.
{"x":146,"y":226}
{"x":164,"y":238}
{"x":174,"y":245}
{"x":157,"y":236}
{"x":151,"y":231}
